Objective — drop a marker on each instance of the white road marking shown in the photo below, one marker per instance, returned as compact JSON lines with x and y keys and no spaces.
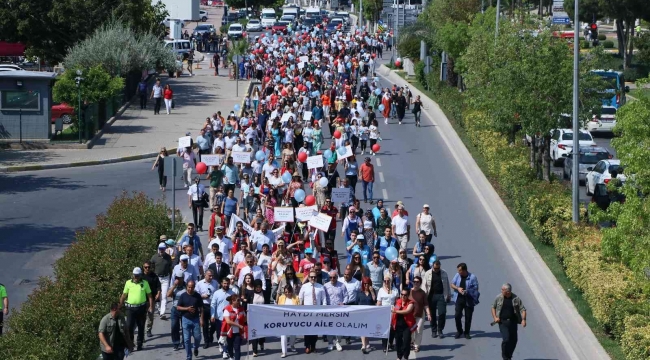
{"x":381,"y":176}
{"x":384,"y":193}
{"x":413,"y":355}
{"x":378,"y":161}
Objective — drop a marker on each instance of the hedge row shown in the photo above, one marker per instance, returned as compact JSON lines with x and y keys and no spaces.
{"x":612,"y":290}
{"x":59,"y":320}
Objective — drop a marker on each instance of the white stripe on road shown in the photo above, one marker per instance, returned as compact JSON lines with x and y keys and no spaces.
{"x":385,"y":193}
{"x":413,"y":355}
{"x":381,"y":176}
{"x":378,"y":161}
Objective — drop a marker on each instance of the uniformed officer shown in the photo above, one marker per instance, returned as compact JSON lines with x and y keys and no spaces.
{"x":114,"y":335}
{"x":138,"y":297}
{"x":4,"y":305}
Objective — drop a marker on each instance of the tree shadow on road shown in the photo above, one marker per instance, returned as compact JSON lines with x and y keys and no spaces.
{"x":22,"y":157}
{"x":27,"y":238}
{"x":20,"y":184}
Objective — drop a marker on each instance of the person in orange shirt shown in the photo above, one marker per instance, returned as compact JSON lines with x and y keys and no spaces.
{"x":325,"y":99}
{"x":367,"y":174}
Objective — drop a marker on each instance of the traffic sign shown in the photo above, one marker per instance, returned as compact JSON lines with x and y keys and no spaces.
{"x":561,"y":20}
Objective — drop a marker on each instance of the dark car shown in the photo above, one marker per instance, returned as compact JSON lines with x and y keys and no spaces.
{"x":279,"y":27}
{"x":232,"y":17}
{"x":588,"y":157}
{"x":309,"y":22}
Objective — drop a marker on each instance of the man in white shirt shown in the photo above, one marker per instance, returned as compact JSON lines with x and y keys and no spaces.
{"x":270,"y":165}
{"x":184,"y":270}
{"x":195,"y":197}
{"x":336,"y":294}
{"x":258,"y":273}
{"x":194,"y":260}
{"x":224,"y":242}
{"x":241,"y":254}
{"x":240,"y":146}
{"x":218,"y":143}
{"x":312,"y":293}
{"x":210,"y":258}
{"x":401,"y":227}
{"x":229,"y":140}
{"x":206,"y":288}
{"x":352,"y":286}
{"x":263,"y":236}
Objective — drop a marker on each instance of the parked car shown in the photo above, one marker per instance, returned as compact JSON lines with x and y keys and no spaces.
{"x":10,"y":67}
{"x":588,"y":157}
{"x":289,"y":19}
{"x":204,"y":28}
{"x":254,"y":25}
{"x":605,"y":123}
{"x":279,"y":27}
{"x":335,"y":24}
{"x":562,"y":143}
{"x":203,"y":15}
{"x":309,"y":22}
{"x":62,"y":111}
{"x":602,"y":174}
{"x":232,"y":17}
{"x":235,"y":31}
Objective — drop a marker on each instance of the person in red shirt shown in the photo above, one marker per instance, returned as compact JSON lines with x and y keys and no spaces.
{"x":328,"y":253}
{"x":332,"y":211}
{"x":367,"y":174}
{"x":395,"y":211}
{"x":217,"y":219}
{"x":307,"y":264}
{"x":168,"y":95}
{"x":403,"y":324}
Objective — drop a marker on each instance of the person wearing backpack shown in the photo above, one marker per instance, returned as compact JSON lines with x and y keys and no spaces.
{"x":142,"y":91}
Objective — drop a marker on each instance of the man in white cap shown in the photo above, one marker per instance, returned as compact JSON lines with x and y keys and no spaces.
{"x":184,"y":270}
{"x":161,"y":264}
{"x":400,"y":227}
{"x":137,"y":295}
{"x":225,"y":244}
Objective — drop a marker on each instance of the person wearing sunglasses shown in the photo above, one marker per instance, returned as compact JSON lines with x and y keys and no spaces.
{"x":419,"y":298}
{"x":137,"y":295}
{"x":155,"y":286}
{"x":403,"y":323}
{"x":312,"y":293}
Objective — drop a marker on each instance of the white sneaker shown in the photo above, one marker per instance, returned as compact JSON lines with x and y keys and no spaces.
{"x":225,"y":355}
{"x":361,"y":152}
{"x":330,"y":347}
{"x":339,"y":347}
{"x":386,"y":121}
{"x":185,"y":186}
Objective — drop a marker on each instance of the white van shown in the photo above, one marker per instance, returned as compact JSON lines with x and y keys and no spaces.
{"x":179,"y":47}
{"x":268,"y":18}
{"x":312,"y":12}
{"x":291,"y":10}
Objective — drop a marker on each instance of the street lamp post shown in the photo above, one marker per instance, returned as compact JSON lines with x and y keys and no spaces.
{"x":78,"y":81}
{"x":575,"y":178}
{"x":496,"y":29}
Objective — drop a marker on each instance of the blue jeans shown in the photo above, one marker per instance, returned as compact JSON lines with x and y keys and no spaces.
{"x":176,"y":326}
{"x":367,"y":186}
{"x":234,"y":346}
{"x":191,"y":327}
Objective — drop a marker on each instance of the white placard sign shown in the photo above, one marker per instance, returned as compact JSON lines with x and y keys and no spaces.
{"x":306,"y":213}
{"x":340,"y":320}
{"x":306,"y":116}
{"x":212,"y":160}
{"x":283,"y":214}
{"x":232,"y":227}
{"x":301,"y":65}
{"x":285,"y":118}
{"x":340,"y":195}
{"x":314,"y":162}
{"x":185,"y":141}
{"x":241,"y":157}
{"x":347,"y":154}
{"x":304,"y":58}
{"x":321,"y":222}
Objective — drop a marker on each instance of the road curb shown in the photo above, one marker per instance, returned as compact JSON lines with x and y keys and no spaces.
{"x":10,"y":169}
{"x":573,"y":333}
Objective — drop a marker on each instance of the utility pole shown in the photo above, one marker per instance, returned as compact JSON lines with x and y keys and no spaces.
{"x":575,"y":172}
{"x":496,"y":31}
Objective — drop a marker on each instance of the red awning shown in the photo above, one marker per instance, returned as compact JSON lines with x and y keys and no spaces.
{"x":11,"y":49}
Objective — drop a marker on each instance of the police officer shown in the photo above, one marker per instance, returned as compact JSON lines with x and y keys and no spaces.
{"x":137,"y":294}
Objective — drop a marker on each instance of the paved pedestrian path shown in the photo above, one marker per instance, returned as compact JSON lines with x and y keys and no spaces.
{"x":140,"y":133}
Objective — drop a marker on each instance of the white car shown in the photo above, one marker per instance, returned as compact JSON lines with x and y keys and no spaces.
{"x":562,"y":143}
{"x":203,"y":15}
{"x":602,"y":174}
{"x":235,"y":31}
{"x":10,"y":67}
{"x":605,"y":123}
{"x":254,"y":25}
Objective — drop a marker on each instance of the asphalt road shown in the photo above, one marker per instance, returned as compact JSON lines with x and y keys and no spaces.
{"x":415,"y":167}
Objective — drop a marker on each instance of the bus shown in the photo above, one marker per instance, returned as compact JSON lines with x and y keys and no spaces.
{"x":615,"y":88}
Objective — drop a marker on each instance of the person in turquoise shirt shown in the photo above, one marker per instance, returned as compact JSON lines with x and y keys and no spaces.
{"x":362,"y":248}
{"x":231,"y":174}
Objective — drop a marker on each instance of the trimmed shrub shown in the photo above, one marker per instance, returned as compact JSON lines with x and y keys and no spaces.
{"x":62,"y":315}
{"x":584,"y":44}
{"x":602,"y":37}
{"x":608,"y":44}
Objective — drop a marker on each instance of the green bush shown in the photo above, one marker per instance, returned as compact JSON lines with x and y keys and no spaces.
{"x":608,"y":44}
{"x":634,"y":73}
{"x":62,"y":316}
{"x":602,"y":37}
{"x":584,"y":44}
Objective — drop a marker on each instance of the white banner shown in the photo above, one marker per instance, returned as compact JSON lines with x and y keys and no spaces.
{"x":305,"y":213}
{"x":306,"y":116}
{"x":355,"y":320}
{"x":341,"y":195}
{"x":212,"y":160}
{"x":347,"y":154}
{"x":314,"y":162}
{"x":184,"y":142}
{"x":283,"y":214}
{"x":232,"y":227}
{"x":241,"y":157}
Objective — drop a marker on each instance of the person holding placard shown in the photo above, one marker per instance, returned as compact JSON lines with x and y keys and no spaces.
{"x":189,"y":163}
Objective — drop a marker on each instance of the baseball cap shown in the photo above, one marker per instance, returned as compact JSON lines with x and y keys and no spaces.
{"x":399,"y":203}
{"x":162,"y":246}
{"x":425,"y":206}
{"x":170,"y":242}
{"x":184,"y":257}
{"x":309,"y":251}
{"x":361,"y":237}
{"x":137,"y":271}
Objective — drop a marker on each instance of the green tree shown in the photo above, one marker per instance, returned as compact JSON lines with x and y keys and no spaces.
{"x":120,"y":50}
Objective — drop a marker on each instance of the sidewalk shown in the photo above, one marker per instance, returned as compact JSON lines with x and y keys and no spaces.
{"x":139,"y":134}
